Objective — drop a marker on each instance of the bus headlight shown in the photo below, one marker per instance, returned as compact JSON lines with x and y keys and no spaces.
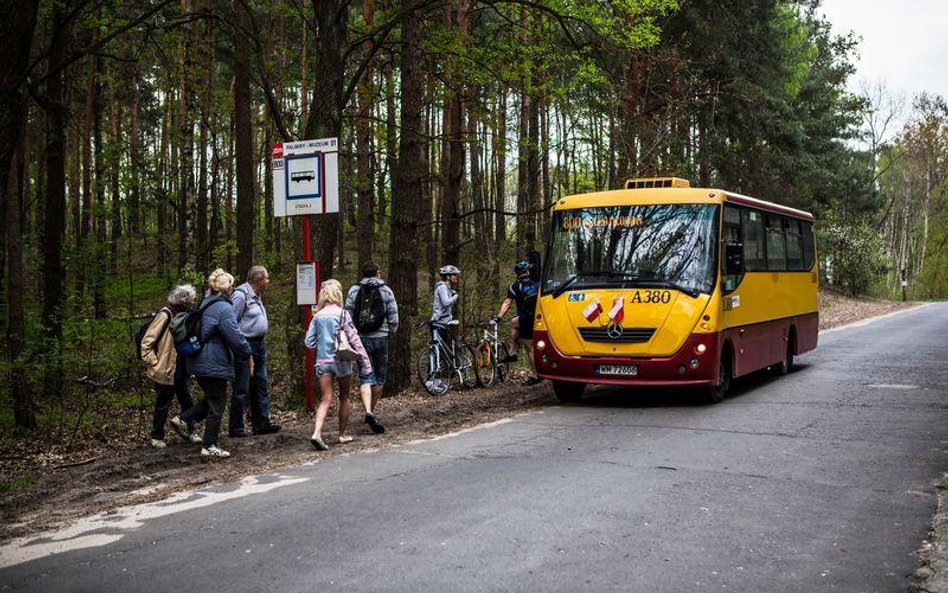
{"x":701,"y":349}
{"x":541,"y":344}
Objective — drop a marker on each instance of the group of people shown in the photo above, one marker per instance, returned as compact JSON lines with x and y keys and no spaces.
{"x":233,"y":327}
{"x":523,"y":292}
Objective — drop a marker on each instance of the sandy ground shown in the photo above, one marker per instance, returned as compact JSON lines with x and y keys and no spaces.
{"x":48,"y":487}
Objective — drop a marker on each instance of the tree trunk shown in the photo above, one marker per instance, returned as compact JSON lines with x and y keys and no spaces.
{"x":325,"y":112}
{"x":364,"y":228}
{"x":134,"y":191}
{"x":16,"y":29}
{"x":186,"y":138}
{"x":98,"y":219}
{"x":202,"y":241}
{"x":243,"y":144}
{"x":53,"y":225}
{"x":115,"y":199}
{"x":407,"y":179}
{"x":13,"y":202}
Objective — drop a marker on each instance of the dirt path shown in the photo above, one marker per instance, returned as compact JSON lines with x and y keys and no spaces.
{"x":46,"y":488}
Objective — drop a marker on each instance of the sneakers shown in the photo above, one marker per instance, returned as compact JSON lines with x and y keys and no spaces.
{"x":214,"y":451}
{"x":194,"y":437}
{"x":345,"y":438}
{"x":158,"y":444}
{"x":181,"y":427}
{"x":269,"y":429}
{"x":532,"y":380}
{"x":318,"y":443}
{"x":374,"y":424}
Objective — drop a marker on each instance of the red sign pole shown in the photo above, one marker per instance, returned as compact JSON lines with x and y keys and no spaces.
{"x":308,"y":316}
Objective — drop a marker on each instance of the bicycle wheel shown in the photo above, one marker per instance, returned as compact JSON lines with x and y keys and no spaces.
{"x":486,"y":363}
{"x":434,"y":371}
{"x":502,"y":368}
{"x":466,"y":369}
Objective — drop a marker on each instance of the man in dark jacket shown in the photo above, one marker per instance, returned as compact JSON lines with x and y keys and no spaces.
{"x":213,"y":365}
{"x":375,"y":340}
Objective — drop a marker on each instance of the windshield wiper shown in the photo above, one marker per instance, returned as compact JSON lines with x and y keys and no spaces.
{"x":651,"y":280}
{"x":562,"y":287}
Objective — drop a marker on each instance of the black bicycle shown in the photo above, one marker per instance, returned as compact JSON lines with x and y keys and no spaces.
{"x":442,"y":364}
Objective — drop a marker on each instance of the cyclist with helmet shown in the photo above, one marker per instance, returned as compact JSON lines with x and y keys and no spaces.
{"x":445,"y":297}
{"x":524,"y":292}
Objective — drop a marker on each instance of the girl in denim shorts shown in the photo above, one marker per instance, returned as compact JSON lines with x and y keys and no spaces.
{"x":321,"y":337}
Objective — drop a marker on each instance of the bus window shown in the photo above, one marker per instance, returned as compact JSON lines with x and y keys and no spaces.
{"x":730,"y":236}
{"x":776,"y":244}
{"x":753,"y":223}
{"x":808,"y":247}
{"x":794,"y":245}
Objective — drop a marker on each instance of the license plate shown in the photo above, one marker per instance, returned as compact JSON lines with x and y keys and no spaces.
{"x":618,"y":369}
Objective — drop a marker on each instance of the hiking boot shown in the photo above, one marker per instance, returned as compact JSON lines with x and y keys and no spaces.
{"x":181,"y":427}
{"x":374,"y":424}
{"x":214,"y":451}
{"x":158,"y":444}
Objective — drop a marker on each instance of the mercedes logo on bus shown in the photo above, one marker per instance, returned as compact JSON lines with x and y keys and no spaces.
{"x":614,"y":331}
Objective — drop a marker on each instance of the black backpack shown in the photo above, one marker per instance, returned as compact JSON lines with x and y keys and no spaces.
{"x":140,"y":334}
{"x":186,"y":329}
{"x":368,"y":312}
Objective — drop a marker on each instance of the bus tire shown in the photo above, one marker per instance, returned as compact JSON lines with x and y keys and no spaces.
{"x":786,"y":365}
{"x":568,"y":392}
{"x":719,"y":389}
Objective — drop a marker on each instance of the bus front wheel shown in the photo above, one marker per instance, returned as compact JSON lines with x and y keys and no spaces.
{"x":568,"y":392}
{"x":720,"y":388}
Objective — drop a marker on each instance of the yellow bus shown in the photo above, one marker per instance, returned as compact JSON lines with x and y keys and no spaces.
{"x":662,"y":284}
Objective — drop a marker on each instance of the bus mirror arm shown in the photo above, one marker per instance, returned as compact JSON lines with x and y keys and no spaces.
{"x":733,"y":259}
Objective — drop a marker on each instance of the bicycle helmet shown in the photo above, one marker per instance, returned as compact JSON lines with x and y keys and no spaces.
{"x":448,"y":270}
{"x":523,"y":267}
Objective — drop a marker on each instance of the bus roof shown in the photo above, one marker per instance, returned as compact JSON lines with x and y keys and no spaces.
{"x":673,"y":195}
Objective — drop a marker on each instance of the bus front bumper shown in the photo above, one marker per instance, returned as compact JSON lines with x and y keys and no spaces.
{"x":688,"y":366}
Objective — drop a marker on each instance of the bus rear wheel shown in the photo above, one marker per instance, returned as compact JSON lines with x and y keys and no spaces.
{"x":568,"y":392}
{"x":786,"y":365}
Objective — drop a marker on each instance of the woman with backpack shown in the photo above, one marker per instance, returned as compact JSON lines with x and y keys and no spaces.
{"x":163,"y":366}
{"x":331,"y":319}
{"x":213,"y":364}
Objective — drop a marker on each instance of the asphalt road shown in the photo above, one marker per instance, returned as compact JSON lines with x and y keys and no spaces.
{"x":819,"y":481}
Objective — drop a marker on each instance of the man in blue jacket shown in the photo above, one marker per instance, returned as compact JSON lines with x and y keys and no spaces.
{"x":253,"y":324}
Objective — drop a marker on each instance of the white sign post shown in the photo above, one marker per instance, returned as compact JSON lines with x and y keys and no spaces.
{"x":306,"y":177}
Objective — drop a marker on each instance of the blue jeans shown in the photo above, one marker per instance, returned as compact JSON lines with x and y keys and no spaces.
{"x":377,"y":349}
{"x":257,"y":386}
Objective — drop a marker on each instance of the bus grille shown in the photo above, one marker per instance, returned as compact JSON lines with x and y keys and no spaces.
{"x":630,"y":335}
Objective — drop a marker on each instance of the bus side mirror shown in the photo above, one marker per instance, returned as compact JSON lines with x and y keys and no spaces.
{"x":733,"y":259}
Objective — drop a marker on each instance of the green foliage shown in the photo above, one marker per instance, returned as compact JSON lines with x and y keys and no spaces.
{"x":21,"y":482}
{"x":854,"y":250}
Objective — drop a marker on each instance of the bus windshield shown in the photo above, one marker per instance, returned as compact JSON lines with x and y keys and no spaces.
{"x":667,"y":245}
